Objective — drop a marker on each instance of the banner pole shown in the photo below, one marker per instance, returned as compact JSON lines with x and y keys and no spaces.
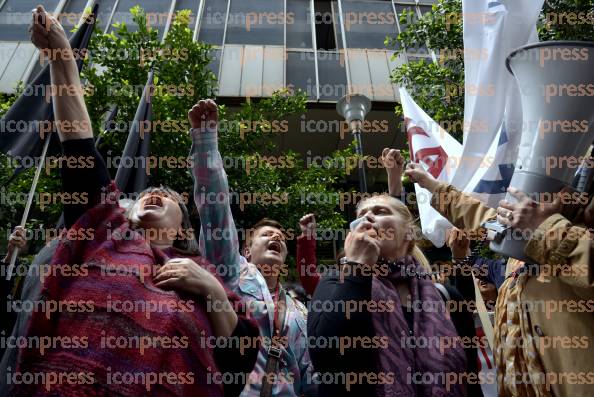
{"x":15,"y":253}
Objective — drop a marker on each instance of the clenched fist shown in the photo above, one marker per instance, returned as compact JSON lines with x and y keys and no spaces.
{"x":307,"y":223}
{"x":48,"y":35}
{"x":393,"y":162}
{"x":205,"y":114}
{"x":458,"y":242}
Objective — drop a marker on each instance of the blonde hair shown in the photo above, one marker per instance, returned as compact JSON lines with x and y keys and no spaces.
{"x":422,"y":259}
{"x":402,"y":210}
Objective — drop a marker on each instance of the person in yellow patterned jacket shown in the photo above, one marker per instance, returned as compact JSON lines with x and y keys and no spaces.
{"x":544,"y":321}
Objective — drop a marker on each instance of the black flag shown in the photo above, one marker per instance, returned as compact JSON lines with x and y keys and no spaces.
{"x":132,"y":176}
{"x":31,"y":116}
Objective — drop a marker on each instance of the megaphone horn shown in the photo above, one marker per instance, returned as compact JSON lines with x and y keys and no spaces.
{"x":556,"y":82}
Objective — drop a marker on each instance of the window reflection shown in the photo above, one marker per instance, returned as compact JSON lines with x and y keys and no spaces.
{"x":15,"y":18}
{"x":368,"y":23}
{"x":256,"y":22}
{"x":212,"y":24}
{"x":332,"y":74}
{"x":301,"y":72}
{"x":157,"y":14}
{"x":298,"y":24}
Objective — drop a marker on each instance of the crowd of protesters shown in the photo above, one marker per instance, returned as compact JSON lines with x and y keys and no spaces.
{"x":212,"y":317}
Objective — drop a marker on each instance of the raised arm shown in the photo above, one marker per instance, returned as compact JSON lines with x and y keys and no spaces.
{"x":306,"y":254}
{"x":464,"y":211}
{"x":218,"y":237}
{"x":393,"y":162}
{"x":70,"y":111}
{"x":459,"y":244}
{"x":71,"y":117}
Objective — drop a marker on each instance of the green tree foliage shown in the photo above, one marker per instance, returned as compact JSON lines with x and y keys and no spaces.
{"x":246,"y":135}
{"x":116,"y":73}
{"x":438,"y":88}
{"x":567,"y":20}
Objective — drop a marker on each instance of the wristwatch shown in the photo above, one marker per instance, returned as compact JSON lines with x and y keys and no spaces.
{"x":345,"y":261}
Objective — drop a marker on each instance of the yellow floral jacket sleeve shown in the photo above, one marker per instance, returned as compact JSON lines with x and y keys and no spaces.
{"x":565,"y":248}
{"x":461,"y":209}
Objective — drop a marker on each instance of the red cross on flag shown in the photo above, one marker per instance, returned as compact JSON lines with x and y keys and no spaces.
{"x":439,"y":153}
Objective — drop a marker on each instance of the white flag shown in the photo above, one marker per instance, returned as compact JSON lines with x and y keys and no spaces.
{"x":492,"y":107}
{"x":433,"y":148}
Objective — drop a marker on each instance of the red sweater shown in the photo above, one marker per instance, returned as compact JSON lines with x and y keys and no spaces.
{"x":307,"y":263}
{"x":114,"y":298}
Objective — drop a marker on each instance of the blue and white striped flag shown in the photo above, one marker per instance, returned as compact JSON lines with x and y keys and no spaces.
{"x":492,"y":105}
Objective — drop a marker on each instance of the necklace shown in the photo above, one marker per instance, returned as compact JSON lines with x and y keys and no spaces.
{"x":405,"y":269}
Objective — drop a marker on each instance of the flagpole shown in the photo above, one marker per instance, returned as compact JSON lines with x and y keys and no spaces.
{"x":15,"y":253}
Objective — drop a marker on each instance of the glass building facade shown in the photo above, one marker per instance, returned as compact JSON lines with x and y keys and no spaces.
{"x":325,"y":48}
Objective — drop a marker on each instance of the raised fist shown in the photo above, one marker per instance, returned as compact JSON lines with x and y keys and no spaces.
{"x":47,"y":34}
{"x":308,"y":225}
{"x":392,"y":161}
{"x":205,"y":114}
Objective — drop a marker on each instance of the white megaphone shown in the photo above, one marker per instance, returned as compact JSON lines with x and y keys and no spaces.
{"x":556,"y":82}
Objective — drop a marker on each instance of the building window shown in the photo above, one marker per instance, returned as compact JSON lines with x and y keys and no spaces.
{"x":368,"y":23}
{"x":332,"y":75}
{"x":71,"y":15}
{"x":157,"y":14}
{"x":104,"y":13}
{"x":15,"y":18}
{"x":214,"y":64}
{"x":260,"y":22}
{"x":410,"y":17}
{"x":326,"y":32}
{"x":299,"y":24}
{"x":424,"y":9}
{"x":212,"y":24}
{"x":301,"y":72}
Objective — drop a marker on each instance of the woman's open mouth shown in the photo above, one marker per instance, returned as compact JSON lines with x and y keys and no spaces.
{"x":153,"y":201}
